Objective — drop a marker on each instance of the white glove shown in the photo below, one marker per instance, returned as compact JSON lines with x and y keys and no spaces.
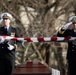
{"x":67,"y":25}
{"x":1,"y":39}
{"x":10,"y":47}
{"x":71,"y":18}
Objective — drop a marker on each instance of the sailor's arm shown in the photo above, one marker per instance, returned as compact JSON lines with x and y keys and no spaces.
{"x":63,"y":31}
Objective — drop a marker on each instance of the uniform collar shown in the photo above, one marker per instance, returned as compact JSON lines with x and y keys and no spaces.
{"x":7,"y":27}
{"x":74,"y":30}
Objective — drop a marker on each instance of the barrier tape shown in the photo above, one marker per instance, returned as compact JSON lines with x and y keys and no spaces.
{"x":39,"y":39}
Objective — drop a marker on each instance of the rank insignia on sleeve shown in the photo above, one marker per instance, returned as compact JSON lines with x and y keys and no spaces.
{"x":61,"y":32}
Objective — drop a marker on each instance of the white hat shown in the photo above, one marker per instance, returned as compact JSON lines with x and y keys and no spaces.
{"x":5,"y":15}
{"x":72,"y":18}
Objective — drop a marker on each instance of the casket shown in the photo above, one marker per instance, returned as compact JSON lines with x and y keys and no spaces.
{"x":31,"y":68}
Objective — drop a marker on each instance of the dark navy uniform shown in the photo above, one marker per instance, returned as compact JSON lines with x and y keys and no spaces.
{"x":7,"y":57}
{"x":71,"y":52}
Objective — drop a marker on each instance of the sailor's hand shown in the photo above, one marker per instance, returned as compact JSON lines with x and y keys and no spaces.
{"x":1,"y":39}
{"x":10,"y":47}
{"x":66,"y":26}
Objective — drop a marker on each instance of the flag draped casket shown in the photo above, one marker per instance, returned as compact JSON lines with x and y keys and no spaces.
{"x":31,"y":68}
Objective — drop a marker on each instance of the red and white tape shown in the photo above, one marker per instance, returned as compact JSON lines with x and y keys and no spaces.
{"x":39,"y":39}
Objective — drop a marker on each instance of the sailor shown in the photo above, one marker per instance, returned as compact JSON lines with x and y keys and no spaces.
{"x":7,"y":47}
{"x":69,"y":30}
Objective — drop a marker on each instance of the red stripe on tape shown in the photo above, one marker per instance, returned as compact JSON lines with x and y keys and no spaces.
{"x":40,"y":39}
{"x":4,"y":36}
{"x":28,"y":39}
{"x":67,"y":38}
{"x":15,"y":38}
{"x":53,"y":38}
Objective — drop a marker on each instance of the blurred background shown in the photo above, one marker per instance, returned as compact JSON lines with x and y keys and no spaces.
{"x":40,"y":18}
